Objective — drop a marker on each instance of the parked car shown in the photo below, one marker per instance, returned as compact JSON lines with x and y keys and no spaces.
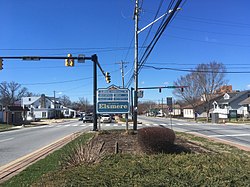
{"x":87,"y":118}
{"x":106,"y":118}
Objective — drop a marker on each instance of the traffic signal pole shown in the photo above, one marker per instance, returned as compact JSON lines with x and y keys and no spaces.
{"x":93,"y":58}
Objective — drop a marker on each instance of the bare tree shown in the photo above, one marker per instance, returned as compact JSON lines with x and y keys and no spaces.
{"x":65,"y":100}
{"x":145,"y":106}
{"x":210,"y":77}
{"x":192,"y":92}
{"x":82,"y":105}
{"x":201,"y":84}
{"x":12,"y":92}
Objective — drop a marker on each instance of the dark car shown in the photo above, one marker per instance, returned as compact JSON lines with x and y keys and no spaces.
{"x":87,"y":118}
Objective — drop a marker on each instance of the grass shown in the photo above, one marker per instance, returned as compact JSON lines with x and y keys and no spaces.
{"x":4,"y":127}
{"x":223,"y":166}
{"x":156,"y":170}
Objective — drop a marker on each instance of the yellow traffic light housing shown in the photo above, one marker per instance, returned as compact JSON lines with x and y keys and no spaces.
{"x":1,"y":63}
{"x":107,"y":77}
{"x":69,"y":61}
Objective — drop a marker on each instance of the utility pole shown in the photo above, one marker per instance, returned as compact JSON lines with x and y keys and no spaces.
{"x":136,"y":17}
{"x":122,"y":72}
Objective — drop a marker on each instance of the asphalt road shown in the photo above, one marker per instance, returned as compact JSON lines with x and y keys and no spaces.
{"x":18,"y":143}
{"x":237,"y":134}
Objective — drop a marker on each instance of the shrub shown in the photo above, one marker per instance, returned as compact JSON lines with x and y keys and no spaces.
{"x":156,"y":139}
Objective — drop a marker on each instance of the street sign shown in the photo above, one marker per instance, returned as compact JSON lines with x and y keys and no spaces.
{"x":110,"y":101}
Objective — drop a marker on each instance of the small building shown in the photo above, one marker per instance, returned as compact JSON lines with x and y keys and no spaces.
{"x":1,"y":113}
{"x":13,"y":115}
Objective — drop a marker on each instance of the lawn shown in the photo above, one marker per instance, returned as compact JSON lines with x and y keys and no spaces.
{"x":218,"y":165}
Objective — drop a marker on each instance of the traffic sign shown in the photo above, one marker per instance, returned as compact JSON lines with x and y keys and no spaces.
{"x":110,"y":101}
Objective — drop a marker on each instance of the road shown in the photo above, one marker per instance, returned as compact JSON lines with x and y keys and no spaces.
{"x":237,"y":134}
{"x":18,"y":143}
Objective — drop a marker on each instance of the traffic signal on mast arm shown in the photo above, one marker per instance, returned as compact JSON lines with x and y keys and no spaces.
{"x":107,"y":77}
{"x":1,"y":63}
{"x":69,"y":61}
{"x":182,"y":89}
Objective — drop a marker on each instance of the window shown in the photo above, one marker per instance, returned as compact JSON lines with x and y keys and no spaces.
{"x":44,"y":114}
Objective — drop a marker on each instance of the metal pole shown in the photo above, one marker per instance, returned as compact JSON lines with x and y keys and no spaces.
{"x":136,"y":66}
{"x":54,"y":104}
{"x":94,"y":59}
{"x":122,"y":72}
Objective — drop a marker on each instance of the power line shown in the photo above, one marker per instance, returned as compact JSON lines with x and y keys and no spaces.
{"x":61,"y":82}
{"x":205,"y":31}
{"x":209,"y":42}
{"x":190,"y":70}
{"x":214,"y":21}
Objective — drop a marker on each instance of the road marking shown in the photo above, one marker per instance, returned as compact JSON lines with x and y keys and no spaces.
{"x":147,"y":124}
{"x":4,"y":140}
{"x":75,"y":125}
{"x":155,"y":124}
{"x":107,"y":125}
{"x":164,"y":124}
{"x":83,"y":125}
{"x":228,"y":135}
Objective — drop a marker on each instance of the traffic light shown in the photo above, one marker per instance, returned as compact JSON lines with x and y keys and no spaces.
{"x":107,"y":77}
{"x":160,"y":90}
{"x":1,"y":63}
{"x":182,"y":89}
{"x":69,"y":61}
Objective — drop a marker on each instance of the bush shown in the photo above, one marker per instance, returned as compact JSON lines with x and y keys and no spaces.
{"x":156,"y":139}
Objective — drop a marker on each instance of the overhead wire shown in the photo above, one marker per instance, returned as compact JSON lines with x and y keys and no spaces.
{"x":191,"y":70}
{"x":148,"y":47}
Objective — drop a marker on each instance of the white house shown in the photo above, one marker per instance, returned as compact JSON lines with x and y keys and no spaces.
{"x":230,"y":102}
{"x":41,"y":107}
{"x":68,"y":113}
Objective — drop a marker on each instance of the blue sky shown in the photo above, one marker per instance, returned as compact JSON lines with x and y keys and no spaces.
{"x":203,"y":31}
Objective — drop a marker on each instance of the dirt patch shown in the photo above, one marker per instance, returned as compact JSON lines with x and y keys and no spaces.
{"x":122,"y":142}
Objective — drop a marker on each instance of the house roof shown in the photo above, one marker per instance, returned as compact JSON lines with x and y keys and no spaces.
{"x":15,"y":108}
{"x":200,"y":103}
{"x":29,"y":100}
{"x":233,"y":96}
{"x":245,"y":102}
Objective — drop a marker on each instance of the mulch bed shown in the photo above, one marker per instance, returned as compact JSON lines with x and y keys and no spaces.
{"x":122,"y":142}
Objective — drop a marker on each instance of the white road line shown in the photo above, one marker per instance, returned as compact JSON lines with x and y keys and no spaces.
{"x":83,"y":125}
{"x":164,"y":124}
{"x":4,"y":140}
{"x":147,"y":124}
{"x":107,"y":125}
{"x":155,"y":124}
{"x":67,"y":125}
{"x":228,"y":135}
{"x":75,"y":125}
{"x":115,"y":125}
